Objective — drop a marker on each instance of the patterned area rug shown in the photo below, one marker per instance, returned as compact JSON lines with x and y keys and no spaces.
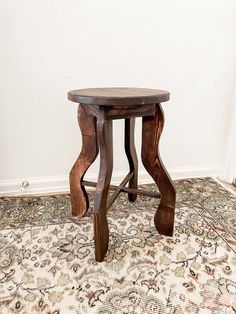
{"x":47,"y":257}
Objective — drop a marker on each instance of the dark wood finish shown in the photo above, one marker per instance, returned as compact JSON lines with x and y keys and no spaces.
{"x":79,"y":197}
{"x":98,"y":107}
{"x":126,"y":190}
{"x":151,"y":132}
{"x":93,"y":110}
{"x":130,"y":112}
{"x":101,"y":231}
{"x":132,"y":156}
{"x":121,"y":112}
{"x":118,"y":190}
{"x":118,"y":96}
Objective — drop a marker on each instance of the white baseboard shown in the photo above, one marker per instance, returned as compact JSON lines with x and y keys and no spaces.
{"x":194,"y":172}
{"x":226,"y":186}
{"x":57,"y":184}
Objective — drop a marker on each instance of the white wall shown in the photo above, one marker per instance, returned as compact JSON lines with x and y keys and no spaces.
{"x":49,"y":47}
{"x":228,"y":173}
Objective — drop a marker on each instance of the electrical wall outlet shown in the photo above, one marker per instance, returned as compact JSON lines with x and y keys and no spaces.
{"x":24,"y":185}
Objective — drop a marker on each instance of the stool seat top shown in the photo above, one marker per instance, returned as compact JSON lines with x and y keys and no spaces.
{"x":122,"y":96}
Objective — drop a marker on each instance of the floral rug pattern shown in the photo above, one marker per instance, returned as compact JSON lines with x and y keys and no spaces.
{"x":47,"y":256}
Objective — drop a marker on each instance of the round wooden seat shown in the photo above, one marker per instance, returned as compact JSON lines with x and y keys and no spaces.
{"x":118,"y":96}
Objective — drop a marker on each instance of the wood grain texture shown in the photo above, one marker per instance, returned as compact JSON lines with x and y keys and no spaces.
{"x":128,"y":112}
{"x":89,"y":151}
{"x":132,"y":156}
{"x":118,"y":189}
{"x":121,"y":112}
{"x":151,"y":132}
{"x":125,"y":189}
{"x":101,"y":231}
{"x":98,"y":107}
{"x":123,"y":96}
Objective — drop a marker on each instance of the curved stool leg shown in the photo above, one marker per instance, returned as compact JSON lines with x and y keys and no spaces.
{"x":151,"y":132}
{"x":132,"y":156}
{"x":101,"y":231}
{"x":79,"y":197}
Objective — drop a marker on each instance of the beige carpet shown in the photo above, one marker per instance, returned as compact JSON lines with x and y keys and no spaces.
{"x":47,"y":257}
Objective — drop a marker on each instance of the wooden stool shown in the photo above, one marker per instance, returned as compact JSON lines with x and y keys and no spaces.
{"x":98,"y":107}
